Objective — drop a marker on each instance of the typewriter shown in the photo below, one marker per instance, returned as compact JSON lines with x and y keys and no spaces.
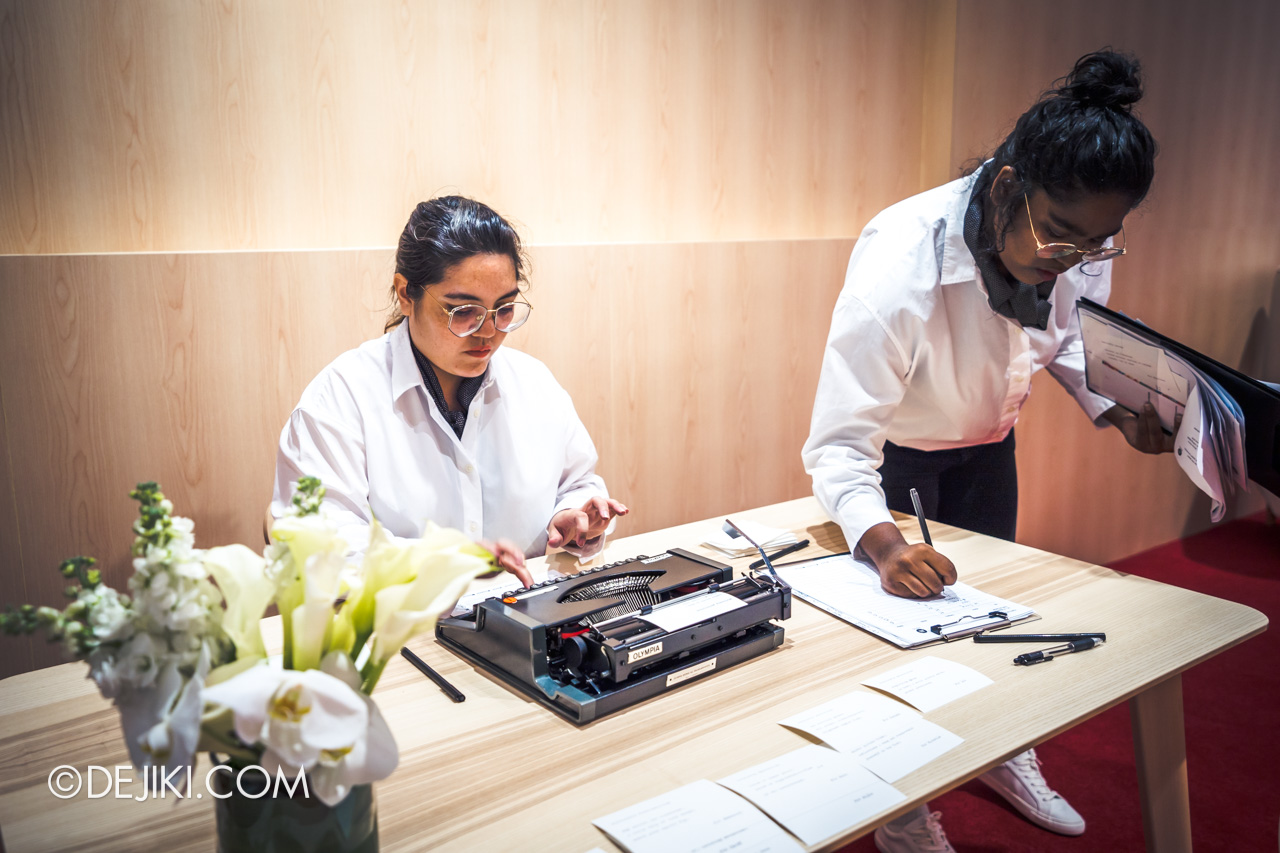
{"x":593,"y":643}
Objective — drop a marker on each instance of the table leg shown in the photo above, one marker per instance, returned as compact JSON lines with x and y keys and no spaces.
{"x":1160,"y":746}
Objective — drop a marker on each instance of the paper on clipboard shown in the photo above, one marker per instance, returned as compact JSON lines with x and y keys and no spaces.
{"x":850,"y":589}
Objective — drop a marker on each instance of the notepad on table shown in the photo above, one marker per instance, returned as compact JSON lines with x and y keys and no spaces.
{"x":850,"y":589}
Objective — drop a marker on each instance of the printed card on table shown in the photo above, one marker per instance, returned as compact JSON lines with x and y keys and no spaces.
{"x":888,"y":738}
{"x":699,"y":818}
{"x":929,"y":682}
{"x":815,"y":792}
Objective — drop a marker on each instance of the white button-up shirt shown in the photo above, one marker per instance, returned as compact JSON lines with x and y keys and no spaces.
{"x":917,"y":356}
{"x":368,"y":428}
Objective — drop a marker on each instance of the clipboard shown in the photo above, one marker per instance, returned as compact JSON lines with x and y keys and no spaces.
{"x":849,"y":589}
{"x":1259,"y":402}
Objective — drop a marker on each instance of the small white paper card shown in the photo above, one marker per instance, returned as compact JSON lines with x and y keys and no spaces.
{"x":692,"y":609}
{"x":886,"y":737}
{"x":699,"y":818}
{"x":815,"y":792}
{"x":929,"y":682}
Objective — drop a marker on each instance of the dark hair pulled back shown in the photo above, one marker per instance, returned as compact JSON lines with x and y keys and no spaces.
{"x":1080,"y":138}
{"x":443,"y":232}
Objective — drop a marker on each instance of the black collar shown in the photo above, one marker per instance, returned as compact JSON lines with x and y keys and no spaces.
{"x":1026,"y":304}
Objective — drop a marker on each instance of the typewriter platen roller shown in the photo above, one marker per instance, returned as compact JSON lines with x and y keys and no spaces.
{"x":588,"y":644}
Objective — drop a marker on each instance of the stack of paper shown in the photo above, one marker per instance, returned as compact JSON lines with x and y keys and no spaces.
{"x":729,"y":542}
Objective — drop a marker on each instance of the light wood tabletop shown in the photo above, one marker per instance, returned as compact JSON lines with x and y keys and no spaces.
{"x":500,"y":772}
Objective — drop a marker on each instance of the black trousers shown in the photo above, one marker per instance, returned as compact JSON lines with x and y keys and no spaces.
{"x":975,"y":488}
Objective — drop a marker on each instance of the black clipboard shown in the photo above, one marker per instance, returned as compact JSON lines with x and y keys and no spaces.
{"x":1259,"y":402}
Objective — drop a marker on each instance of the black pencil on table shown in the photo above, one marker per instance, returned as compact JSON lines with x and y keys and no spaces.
{"x":790,"y":549}
{"x":449,"y":690}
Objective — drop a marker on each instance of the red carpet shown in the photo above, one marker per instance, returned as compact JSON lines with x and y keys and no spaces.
{"x":1232,"y":710}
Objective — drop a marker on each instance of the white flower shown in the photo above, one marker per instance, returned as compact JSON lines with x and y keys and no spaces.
{"x":405,"y":610}
{"x":109,"y":615}
{"x":310,"y":720}
{"x":304,"y":537}
{"x":162,"y":722}
{"x":242,"y":578}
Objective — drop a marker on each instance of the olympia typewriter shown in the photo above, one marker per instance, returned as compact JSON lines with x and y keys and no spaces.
{"x":598,"y":641}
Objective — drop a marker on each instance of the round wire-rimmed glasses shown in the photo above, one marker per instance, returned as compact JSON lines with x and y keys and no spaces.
{"x":1049,"y":251}
{"x":466,"y":320}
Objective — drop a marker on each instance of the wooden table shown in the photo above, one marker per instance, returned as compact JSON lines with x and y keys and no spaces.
{"x":500,"y":772}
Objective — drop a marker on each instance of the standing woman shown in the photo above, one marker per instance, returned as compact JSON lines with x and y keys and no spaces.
{"x":435,"y":421}
{"x":952,"y":300}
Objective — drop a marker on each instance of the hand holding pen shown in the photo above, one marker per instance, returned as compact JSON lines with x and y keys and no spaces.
{"x":907,"y":570}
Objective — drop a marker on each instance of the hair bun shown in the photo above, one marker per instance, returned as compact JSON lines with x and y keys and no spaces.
{"x":1103,"y":79}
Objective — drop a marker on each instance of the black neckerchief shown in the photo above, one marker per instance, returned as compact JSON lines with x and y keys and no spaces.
{"x":1027,"y":304}
{"x":467,"y":390}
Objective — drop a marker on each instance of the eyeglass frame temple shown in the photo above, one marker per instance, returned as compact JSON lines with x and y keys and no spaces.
{"x":1119,"y":250}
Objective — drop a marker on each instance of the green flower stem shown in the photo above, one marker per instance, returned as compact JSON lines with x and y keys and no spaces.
{"x":370,"y":674}
{"x":286,"y":622}
{"x":361,"y":639}
{"x":233,"y":748}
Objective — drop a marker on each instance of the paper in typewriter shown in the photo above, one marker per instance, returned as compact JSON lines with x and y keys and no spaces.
{"x":850,"y":589}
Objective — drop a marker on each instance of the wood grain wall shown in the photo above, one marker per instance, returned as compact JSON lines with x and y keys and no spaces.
{"x":690,"y":174}
{"x":142,"y":126}
{"x":1203,"y":250}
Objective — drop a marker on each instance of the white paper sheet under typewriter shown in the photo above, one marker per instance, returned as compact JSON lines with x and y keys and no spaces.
{"x":608,"y":637}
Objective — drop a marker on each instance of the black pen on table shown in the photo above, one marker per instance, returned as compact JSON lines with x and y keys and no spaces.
{"x":924,"y":528}
{"x":1037,"y":638}
{"x":419,"y":664}
{"x":790,"y":549}
{"x":1081,"y":645}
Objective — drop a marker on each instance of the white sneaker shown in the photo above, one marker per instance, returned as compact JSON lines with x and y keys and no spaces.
{"x":922,"y":835}
{"x":1018,"y":780}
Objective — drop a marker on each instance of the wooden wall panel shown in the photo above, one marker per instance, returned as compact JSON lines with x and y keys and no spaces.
{"x":692,"y":365}
{"x":140,"y":126}
{"x":1203,"y":249}
{"x":15,"y":652}
{"x":177,"y":368}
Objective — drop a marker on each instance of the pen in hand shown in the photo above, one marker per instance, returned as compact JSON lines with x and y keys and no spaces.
{"x":419,"y":664}
{"x":924,"y":528}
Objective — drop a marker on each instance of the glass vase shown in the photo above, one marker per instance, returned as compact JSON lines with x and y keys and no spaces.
{"x":252,"y":818}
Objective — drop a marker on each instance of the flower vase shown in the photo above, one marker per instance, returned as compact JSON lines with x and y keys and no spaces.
{"x":253,"y":818}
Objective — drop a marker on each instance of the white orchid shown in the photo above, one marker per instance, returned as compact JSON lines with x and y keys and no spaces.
{"x":309,"y":720}
{"x":162,"y":723}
